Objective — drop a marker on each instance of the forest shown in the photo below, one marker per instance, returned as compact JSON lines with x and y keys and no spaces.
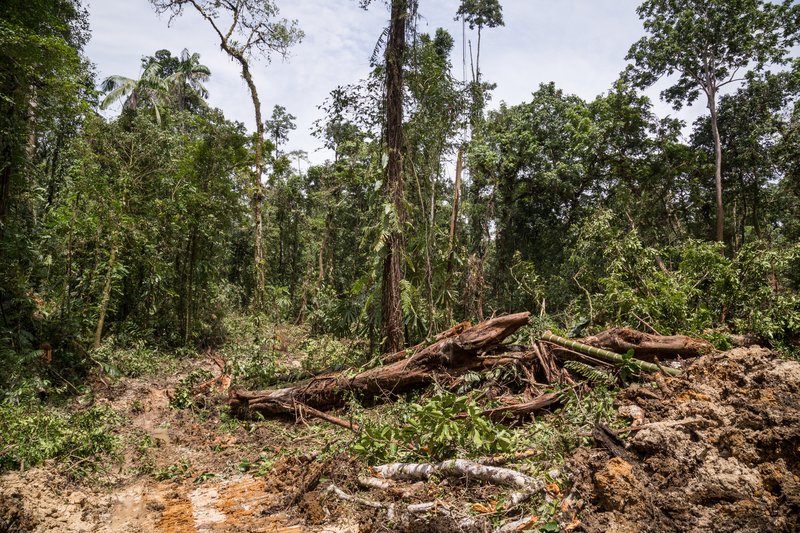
{"x":559,"y":314}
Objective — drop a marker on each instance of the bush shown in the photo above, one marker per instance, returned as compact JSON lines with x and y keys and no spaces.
{"x":431,"y":431}
{"x":31,"y":435}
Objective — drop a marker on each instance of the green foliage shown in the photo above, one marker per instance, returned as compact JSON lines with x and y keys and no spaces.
{"x":706,"y":43}
{"x":691,"y":287}
{"x":180,"y":470}
{"x":593,"y":374}
{"x":434,"y":431}
{"x":30,"y":435}
{"x":134,"y":358}
{"x":182,"y":397}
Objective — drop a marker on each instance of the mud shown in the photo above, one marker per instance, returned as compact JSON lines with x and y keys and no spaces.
{"x":719,"y":451}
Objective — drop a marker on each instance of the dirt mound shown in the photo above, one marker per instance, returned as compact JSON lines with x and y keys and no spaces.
{"x":719,"y":451}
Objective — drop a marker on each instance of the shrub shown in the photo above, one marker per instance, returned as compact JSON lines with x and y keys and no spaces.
{"x":432,"y":431}
{"x":31,"y":435}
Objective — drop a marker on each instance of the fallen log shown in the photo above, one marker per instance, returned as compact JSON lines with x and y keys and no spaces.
{"x":457,"y":468}
{"x":649,"y":347}
{"x":520,"y":410}
{"x":462,"y":468}
{"x":450,"y":356}
{"x":605,"y":354}
{"x":408,"y":352}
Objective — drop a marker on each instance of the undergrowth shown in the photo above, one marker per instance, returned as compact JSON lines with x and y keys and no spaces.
{"x":82,"y":441}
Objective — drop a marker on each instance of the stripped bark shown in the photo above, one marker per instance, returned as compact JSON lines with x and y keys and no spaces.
{"x":457,"y":468}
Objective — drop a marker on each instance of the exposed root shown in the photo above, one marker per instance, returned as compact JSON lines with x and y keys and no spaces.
{"x":342,"y":495}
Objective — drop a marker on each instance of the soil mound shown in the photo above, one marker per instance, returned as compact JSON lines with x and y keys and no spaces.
{"x":719,"y":450}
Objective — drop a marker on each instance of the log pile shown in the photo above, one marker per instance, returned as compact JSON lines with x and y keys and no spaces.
{"x":446,"y":359}
{"x":466,"y":348}
{"x":452,"y":355}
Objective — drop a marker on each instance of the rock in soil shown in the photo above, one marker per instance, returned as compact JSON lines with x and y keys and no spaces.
{"x":733,"y":466}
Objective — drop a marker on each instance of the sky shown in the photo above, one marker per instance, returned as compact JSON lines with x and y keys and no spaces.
{"x":578,"y":44}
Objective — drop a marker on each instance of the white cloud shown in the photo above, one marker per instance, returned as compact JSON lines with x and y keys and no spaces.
{"x":578,"y":44}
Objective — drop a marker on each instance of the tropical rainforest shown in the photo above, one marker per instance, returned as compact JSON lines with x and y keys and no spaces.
{"x":559,"y":314}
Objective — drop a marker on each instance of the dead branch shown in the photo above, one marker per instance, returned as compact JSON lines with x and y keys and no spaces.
{"x":457,"y":468}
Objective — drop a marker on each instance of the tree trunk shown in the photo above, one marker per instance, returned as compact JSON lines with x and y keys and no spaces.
{"x":649,"y":347}
{"x":106,"y":297}
{"x":450,"y":356}
{"x":257,"y":196}
{"x":712,"y":107}
{"x":391,"y":312}
{"x":451,"y":244}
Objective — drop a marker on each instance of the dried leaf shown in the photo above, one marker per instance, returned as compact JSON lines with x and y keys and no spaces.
{"x":481,"y":508}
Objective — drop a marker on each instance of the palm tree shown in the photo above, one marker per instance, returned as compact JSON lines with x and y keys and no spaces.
{"x":149,"y":90}
{"x":166,"y":81}
{"x":186,"y":82}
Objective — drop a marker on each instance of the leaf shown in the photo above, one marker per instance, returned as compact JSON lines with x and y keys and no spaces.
{"x":481,"y":508}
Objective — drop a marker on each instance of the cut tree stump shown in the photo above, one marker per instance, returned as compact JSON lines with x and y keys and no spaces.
{"x":449,"y":356}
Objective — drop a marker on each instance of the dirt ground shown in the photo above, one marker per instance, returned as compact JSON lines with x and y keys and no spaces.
{"x":719,"y":450}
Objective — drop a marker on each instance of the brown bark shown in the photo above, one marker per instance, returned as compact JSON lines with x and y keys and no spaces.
{"x":391,"y":311}
{"x":450,"y":356}
{"x":649,"y":347}
{"x":404,"y":354}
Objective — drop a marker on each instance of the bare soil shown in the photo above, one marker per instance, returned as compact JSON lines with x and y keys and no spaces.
{"x":719,"y":451}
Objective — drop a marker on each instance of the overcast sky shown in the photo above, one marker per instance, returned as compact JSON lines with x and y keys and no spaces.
{"x":578,"y":44}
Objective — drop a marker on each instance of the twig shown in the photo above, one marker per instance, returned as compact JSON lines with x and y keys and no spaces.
{"x":389,"y":507}
{"x":305,"y":409}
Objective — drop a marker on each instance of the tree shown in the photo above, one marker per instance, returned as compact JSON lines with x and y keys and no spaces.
{"x":185,"y":76}
{"x":707,"y":44}
{"x":151,"y":88}
{"x":246,"y":28}
{"x":279,"y":125}
{"x":480,"y":14}
{"x":391,"y":311}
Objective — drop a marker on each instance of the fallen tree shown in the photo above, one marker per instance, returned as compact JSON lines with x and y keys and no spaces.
{"x":606,"y":355}
{"x":649,"y":347}
{"x":451,"y":356}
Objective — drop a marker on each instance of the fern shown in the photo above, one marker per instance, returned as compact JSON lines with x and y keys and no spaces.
{"x":595,"y":375}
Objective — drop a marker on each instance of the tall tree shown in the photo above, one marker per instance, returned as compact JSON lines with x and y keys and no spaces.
{"x":279,"y":125}
{"x":391,"y":311}
{"x":707,"y":44}
{"x":478,"y":14}
{"x":247,"y":28}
